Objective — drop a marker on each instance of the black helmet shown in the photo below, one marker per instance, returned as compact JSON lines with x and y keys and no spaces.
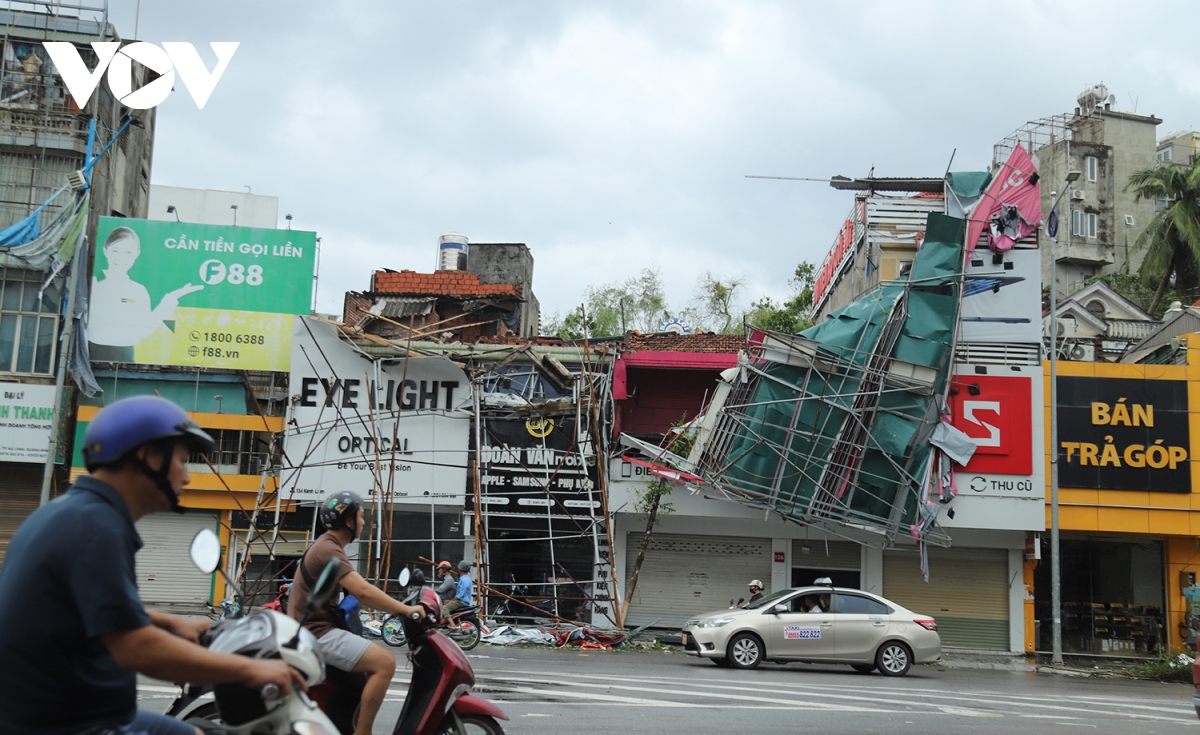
{"x":338,"y":507}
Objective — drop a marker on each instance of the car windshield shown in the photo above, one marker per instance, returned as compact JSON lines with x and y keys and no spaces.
{"x":769,"y":600}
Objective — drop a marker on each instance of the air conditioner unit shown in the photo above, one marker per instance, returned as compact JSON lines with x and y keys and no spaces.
{"x":1066,"y":328}
{"x":1081,"y":352}
{"x":1078,"y":194}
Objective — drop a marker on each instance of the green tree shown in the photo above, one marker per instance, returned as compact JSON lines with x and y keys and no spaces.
{"x":638,"y":303}
{"x":1172,"y":238}
{"x":715,"y":303}
{"x":793,"y":315}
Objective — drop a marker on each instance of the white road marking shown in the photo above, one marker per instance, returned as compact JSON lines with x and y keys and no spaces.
{"x":922,"y":697}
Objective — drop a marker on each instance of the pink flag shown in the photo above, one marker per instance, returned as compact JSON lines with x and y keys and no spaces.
{"x":1011,"y":208}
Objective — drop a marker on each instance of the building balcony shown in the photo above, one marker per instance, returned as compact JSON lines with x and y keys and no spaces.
{"x":1084,"y":252}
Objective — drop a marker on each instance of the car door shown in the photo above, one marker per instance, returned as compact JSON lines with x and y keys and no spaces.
{"x":799,"y":634}
{"x":862,"y":624}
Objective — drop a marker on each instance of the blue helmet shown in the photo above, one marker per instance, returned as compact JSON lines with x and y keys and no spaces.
{"x":125,"y":425}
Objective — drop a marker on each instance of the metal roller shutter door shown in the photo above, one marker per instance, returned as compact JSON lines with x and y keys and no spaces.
{"x":165,"y":575}
{"x":21,"y":495}
{"x":845,"y":555}
{"x":967,"y":593}
{"x":685,"y":575}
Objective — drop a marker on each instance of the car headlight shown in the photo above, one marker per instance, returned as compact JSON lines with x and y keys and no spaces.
{"x":714,"y":623}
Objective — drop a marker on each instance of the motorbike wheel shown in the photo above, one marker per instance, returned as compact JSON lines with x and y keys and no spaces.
{"x":469,"y":633}
{"x":472,"y":725}
{"x":392,"y":631}
{"x":206,"y":713}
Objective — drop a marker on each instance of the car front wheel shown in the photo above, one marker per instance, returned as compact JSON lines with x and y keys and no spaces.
{"x":745,"y":651}
{"x":893,"y":659}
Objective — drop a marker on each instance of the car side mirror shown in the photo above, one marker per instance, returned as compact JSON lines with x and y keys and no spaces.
{"x":777,"y":609}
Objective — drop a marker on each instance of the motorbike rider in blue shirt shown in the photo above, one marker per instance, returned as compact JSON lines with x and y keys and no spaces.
{"x":462,"y":594}
{"x":73,"y":631}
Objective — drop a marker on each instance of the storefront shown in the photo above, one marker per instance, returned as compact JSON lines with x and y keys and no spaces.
{"x":686,"y":574}
{"x":26,"y":419}
{"x":1113,"y":596}
{"x":219,"y":404}
{"x":1127,"y":519}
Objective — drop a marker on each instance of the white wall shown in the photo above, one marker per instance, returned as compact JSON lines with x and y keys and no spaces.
{"x":212,"y":207}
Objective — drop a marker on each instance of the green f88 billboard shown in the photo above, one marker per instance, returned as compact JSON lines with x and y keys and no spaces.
{"x":170,"y":293}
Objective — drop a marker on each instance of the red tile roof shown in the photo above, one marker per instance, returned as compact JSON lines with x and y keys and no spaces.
{"x":687,"y":342}
{"x":441,"y":283}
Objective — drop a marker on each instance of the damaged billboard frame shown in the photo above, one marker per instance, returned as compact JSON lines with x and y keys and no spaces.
{"x":832,"y":427}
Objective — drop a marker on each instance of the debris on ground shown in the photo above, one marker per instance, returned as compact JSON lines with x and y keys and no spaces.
{"x":586,"y":638}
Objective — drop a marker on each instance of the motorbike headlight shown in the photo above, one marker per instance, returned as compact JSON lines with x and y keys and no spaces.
{"x":308,"y":727}
{"x":713,"y":623}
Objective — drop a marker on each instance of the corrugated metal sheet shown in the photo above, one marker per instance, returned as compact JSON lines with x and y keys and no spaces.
{"x":398,"y":306}
{"x":967,"y":593}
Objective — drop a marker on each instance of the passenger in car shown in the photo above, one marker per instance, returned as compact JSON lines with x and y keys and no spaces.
{"x":813,"y":605}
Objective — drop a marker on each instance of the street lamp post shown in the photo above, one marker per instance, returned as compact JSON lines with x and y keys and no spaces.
{"x":1055,"y":562}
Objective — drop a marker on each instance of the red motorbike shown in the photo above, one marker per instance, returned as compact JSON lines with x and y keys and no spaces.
{"x":279,"y":604}
{"x":439,"y":699}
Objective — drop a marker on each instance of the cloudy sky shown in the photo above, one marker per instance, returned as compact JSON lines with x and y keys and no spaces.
{"x":612,"y":136}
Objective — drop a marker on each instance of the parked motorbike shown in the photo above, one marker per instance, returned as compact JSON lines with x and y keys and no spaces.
{"x":241,"y":710}
{"x":229,"y":608}
{"x":528,"y":607}
{"x":280,"y":603}
{"x":467,"y":635}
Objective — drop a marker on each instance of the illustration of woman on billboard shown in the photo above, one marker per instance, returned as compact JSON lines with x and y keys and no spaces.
{"x":120,"y":315}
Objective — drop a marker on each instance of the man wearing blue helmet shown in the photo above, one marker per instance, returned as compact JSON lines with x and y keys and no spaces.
{"x":72,"y":627}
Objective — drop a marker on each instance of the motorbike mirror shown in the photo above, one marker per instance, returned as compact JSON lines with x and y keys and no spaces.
{"x":206,"y":550}
{"x":403,"y":578}
{"x":417,"y":579}
{"x":327,"y":584}
{"x":741,"y":600}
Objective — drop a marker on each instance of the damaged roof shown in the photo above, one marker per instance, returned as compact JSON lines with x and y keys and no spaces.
{"x":687,"y":342}
{"x":440,"y":283}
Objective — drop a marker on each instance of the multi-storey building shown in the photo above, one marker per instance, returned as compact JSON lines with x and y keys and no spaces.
{"x":1100,"y":218}
{"x":44,"y":137}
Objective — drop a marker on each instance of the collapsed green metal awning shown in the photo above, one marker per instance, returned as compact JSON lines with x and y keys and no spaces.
{"x":831,"y":427}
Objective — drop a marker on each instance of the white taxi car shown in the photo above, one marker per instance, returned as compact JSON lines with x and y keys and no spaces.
{"x":819,"y":624}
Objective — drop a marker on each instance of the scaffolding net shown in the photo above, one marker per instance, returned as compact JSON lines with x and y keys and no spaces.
{"x":831,"y":428}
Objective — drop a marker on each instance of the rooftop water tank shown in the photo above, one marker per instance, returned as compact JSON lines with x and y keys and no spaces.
{"x":452,"y":252}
